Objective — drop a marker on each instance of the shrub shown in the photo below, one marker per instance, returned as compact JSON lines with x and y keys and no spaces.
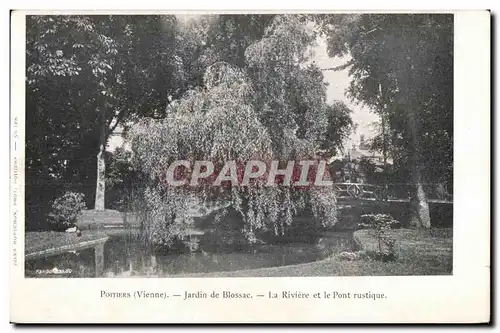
{"x":381,"y":224}
{"x":66,"y":209}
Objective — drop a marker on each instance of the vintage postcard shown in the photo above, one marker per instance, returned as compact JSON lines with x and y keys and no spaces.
{"x":250,"y":167}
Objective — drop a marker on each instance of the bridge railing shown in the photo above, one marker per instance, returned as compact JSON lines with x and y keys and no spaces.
{"x":386,"y":192}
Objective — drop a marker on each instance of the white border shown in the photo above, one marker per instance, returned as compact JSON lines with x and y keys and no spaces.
{"x":463,"y":297}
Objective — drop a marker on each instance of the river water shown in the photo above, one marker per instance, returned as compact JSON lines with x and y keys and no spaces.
{"x":125,"y":256}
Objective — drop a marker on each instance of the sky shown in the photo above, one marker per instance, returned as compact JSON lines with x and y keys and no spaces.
{"x":338,"y":81}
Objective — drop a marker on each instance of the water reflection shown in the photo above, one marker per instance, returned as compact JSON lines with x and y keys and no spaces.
{"x":126,"y":255}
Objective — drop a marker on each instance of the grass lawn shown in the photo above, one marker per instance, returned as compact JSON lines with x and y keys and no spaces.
{"x":421,"y":252}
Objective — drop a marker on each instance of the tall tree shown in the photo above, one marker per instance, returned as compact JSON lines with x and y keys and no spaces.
{"x":86,"y":75}
{"x":401,"y":66}
{"x":273,"y":107}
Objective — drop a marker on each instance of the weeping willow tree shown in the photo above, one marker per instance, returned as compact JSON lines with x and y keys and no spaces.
{"x":272,"y":109}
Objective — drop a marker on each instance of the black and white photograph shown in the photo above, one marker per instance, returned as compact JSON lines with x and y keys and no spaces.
{"x":239,"y":145}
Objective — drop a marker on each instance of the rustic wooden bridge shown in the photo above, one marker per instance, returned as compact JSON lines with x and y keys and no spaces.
{"x":361,"y":192}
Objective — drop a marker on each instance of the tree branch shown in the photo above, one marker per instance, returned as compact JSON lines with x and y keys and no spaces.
{"x":340,"y":67}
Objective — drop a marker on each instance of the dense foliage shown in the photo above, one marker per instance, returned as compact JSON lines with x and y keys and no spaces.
{"x":66,"y":209}
{"x":123,"y":181}
{"x":401,"y":66}
{"x":272,"y":108}
{"x":85,"y":76}
{"x":226,"y":87}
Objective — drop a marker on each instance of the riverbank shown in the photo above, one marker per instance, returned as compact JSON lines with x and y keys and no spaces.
{"x":421,"y":252}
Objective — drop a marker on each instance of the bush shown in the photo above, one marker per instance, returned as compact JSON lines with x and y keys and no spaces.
{"x":66,"y":209}
{"x":381,"y":224}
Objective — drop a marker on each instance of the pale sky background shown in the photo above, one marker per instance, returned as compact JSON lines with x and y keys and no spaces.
{"x":338,"y":83}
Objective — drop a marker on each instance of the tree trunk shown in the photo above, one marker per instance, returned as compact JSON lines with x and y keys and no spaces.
{"x":101,"y":167}
{"x":382,"y":118}
{"x":420,"y":216}
{"x":383,"y":107}
{"x":419,"y":206}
